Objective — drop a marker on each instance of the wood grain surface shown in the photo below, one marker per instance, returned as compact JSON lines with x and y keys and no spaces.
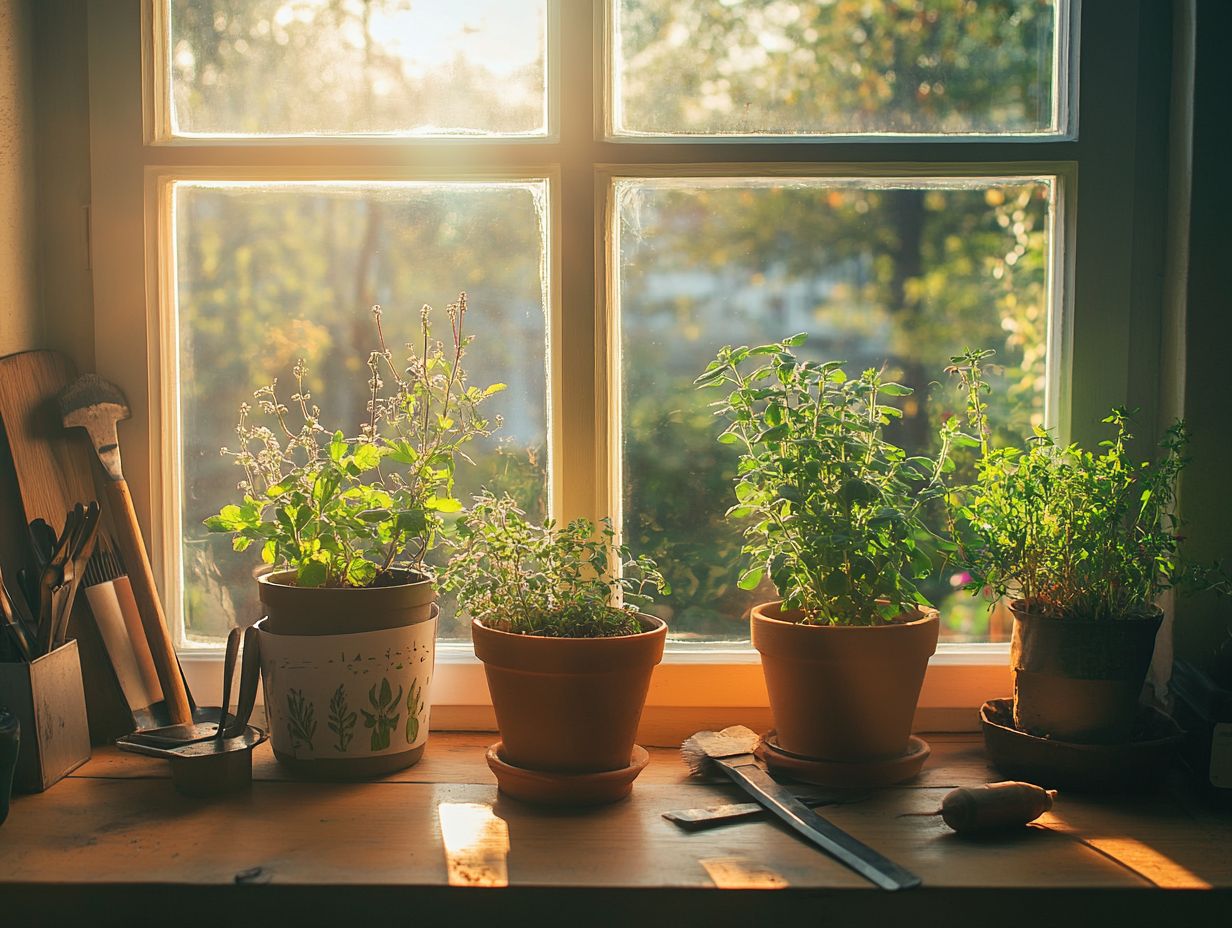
{"x":442,"y":827}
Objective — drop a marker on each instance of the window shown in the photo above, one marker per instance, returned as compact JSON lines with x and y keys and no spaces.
{"x":623,"y":187}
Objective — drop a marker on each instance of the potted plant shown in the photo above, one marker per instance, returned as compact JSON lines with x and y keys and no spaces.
{"x":567,"y":655}
{"x":347,"y":642}
{"x":834,"y":516}
{"x":1083,"y":543}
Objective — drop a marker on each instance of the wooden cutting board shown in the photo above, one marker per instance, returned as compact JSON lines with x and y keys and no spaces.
{"x":53,"y":464}
{"x":54,"y":470}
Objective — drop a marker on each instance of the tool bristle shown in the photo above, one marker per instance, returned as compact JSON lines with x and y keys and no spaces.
{"x":704,"y":746}
{"x":90,"y":390}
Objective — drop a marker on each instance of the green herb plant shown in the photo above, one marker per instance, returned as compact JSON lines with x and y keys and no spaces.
{"x":1076,"y":534}
{"x":350,"y":511}
{"x":559,"y":581}
{"x":834,"y":513}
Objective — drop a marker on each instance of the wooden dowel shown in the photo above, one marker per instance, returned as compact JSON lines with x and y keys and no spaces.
{"x":149,"y":607}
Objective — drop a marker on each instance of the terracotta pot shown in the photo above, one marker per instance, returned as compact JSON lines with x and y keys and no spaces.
{"x":569,"y":705}
{"x":347,"y":675}
{"x":1079,"y":681}
{"x":843,"y":693}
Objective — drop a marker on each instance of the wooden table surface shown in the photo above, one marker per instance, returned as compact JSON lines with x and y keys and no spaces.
{"x":116,"y":841}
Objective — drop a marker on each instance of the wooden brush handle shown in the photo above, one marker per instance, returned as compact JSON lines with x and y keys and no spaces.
{"x":149,"y":607}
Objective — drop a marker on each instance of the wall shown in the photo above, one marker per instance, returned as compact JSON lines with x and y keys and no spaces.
{"x":62,"y":152}
{"x":20,"y":325}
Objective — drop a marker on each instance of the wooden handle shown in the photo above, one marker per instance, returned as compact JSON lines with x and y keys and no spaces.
{"x":153,"y":622}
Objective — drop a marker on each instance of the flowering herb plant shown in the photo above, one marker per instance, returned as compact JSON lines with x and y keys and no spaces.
{"x":359,"y":510}
{"x":1074,"y":533}
{"x":559,"y":581}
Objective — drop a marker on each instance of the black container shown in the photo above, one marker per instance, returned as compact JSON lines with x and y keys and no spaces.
{"x":10,"y":742}
{"x":1203,"y":709}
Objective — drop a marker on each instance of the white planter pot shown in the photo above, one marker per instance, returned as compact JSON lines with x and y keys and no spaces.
{"x":349,"y":705}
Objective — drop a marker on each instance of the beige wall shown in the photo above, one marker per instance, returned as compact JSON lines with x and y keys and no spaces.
{"x":20,"y":323}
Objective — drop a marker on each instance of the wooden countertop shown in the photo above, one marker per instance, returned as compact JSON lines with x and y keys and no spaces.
{"x":114,"y":840}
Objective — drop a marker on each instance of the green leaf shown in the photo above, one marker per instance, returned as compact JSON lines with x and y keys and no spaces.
{"x":896,"y":389}
{"x":311,"y":574}
{"x":751,"y":578}
{"x":443,"y":504}
{"x":367,"y":456}
{"x":495,"y":388}
{"x":373,"y":516}
{"x":337,"y":447}
{"x":411,"y":521}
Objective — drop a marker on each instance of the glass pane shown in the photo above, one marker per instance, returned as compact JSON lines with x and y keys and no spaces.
{"x":900,"y":273}
{"x":429,"y":68}
{"x":268,"y":274}
{"x":836,"y":67}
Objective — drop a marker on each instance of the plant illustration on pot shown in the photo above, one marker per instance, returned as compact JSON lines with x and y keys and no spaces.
{"x":301,"y":719}
{"x":414,"y":706}
{"x":379,"y":719}
{"x":341,"y":719}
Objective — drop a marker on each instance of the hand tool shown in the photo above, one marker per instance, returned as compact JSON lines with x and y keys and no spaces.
{"x":96,"y":405}
{"x":731,"y":751}
{"x":74,"y":570}
{"x":708,"y":817}
{"x":51,"y":579}
{"x":101,"y":573}
{"x":15,"y":627}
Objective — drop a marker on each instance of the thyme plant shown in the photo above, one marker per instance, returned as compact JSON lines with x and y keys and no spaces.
{"x":1076,"y":534}
{"x":559,"y":581}
{"x":351,"y":510}
{"x":833,"y":512}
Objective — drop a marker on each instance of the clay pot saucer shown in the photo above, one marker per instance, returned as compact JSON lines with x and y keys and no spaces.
{"x":844,"y":774}
{"x":1139,"y":763}
{"x":551,"y":788}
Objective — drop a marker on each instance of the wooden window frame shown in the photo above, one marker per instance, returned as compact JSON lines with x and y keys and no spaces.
{"x":1107,"y":290}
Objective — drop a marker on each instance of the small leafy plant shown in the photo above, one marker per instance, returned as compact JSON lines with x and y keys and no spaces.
{"x":1076,"y":534}
{"x":348,"y":511}
{"x":559,"y":581}
{"x":382,"y":719}
{"x":834,"y":513}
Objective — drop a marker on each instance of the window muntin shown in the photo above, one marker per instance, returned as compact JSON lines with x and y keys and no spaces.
{"x":429,"y":69}
{"x":268,"y":273}
{"x":801,"y":68}
{"x":573,"y":478}
{"x":899,"y":273}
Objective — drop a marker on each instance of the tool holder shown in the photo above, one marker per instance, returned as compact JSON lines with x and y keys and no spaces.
{"x":47,"y":697}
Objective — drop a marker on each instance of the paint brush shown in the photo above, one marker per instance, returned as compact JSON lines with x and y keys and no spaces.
{"x":730,"y":751}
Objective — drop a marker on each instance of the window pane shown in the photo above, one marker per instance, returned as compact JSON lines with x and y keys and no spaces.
{"x":267,"y":274}
{"x":835,"y":67}
{"x":900,"y":273}
{"x":358,"y":67}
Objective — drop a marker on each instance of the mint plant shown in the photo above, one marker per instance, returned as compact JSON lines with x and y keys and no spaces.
{"x":833,"y":512}
{"x":1076,"y":534}
{"x":559,"y":581}
{"x":349,"y":510}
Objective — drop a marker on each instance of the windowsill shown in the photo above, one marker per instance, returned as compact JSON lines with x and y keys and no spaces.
{"x":115,"y":831}
{"x":690,"y":690}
